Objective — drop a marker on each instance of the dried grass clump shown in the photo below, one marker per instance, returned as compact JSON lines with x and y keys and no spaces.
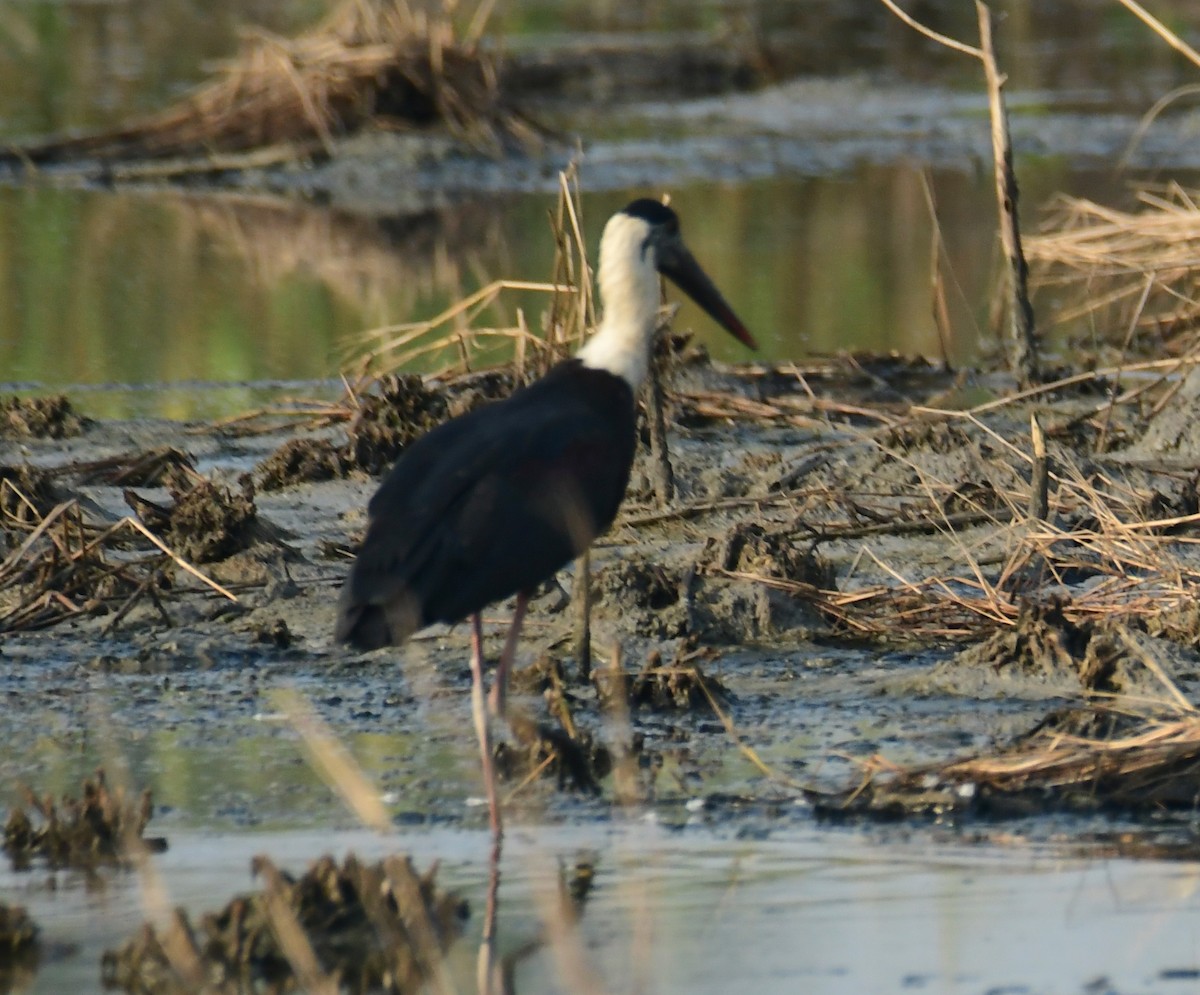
{"x":26,"y":495}
{"x":1130,"y":269}
{"x":207,"y":522}
{"x":369,"y":58}
{"x":1134,"y":763}
{"x":1105,"y":549}
{"x":39,"y":418}
{"x":102,"y":827}
{"x":357,"y":927}
{"x":67,"y":567}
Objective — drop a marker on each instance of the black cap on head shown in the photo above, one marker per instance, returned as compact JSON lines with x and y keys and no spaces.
{"x":674,"y":261}
{"x":651,"y":211}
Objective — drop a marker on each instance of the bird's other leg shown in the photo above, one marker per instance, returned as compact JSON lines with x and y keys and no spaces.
{"x":498,"y":699}
{"x":482,"y":729}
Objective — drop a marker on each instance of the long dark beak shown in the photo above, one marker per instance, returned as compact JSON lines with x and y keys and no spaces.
{"x":678,"y":264}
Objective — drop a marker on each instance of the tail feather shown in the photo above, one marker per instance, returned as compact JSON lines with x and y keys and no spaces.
{"x":369,"y":626}
{"x":363,"y":627}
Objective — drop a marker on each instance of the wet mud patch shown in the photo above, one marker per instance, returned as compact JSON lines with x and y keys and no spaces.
{"x":827,"y":549}
{"x":101,"y":828}
{"x":50,"y":417}
{"x":378,"y":927}
{"x":1170,"y":433}
{"x":651,"y":596}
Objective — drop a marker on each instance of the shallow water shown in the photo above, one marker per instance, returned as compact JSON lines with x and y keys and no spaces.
{"x":183,"y":306}
{"x":808,"y":206}
{"x":689,"y":910}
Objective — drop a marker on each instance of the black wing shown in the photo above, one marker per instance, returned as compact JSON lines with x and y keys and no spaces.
{"x":490,"y":504}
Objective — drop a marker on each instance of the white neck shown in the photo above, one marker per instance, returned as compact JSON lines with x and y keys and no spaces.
{"x":629,"y":287}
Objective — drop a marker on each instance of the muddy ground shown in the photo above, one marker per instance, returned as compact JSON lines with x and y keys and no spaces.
{"x":822,"y":563}
{"x":846,"y":613}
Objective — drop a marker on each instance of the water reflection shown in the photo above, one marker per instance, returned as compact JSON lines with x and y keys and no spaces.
{"x":131,"y":288}
{"x":690,"y":911}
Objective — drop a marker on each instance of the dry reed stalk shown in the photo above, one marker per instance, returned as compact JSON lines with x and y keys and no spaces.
{"x":1141,"y":262}
{"x":937,"y":282}
{"x":1160,"y":29}
{"x":1022,"y":338}
{"x":290,"y":934}
{"x":570,"y":315}
{"x":333,"y":761}
{"x":1139,"y":565}
{"x":1145,"y":762}
{"x":799,"y":411}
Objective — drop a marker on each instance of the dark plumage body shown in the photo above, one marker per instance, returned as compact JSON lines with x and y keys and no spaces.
{"x":491,"y":504}
{"x":495,"y":502}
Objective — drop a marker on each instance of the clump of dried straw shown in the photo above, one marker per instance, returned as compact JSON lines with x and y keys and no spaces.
{"x":1130,"y":269}
{"x":369,"y":58}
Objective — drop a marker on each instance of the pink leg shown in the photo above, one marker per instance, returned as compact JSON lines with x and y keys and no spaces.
{"x":482,"y":729}
{"x":498,"y":699}
{"x":488,"y":979}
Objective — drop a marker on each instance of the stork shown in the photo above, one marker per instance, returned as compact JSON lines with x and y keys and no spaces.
{"x":496,"y":501}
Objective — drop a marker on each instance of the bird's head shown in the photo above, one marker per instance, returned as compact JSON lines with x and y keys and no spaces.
{"x":656,"y":228}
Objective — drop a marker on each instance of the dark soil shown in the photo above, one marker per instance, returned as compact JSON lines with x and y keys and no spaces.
{"x":830,"y":573}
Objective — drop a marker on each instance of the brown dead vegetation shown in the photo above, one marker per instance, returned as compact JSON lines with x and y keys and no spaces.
{"x":39,"y":418}
{"x":355,"y":927}
{"x":103,"y":827}
{"x":368,"y":60}
{"x":1129,"y":270}
{"x":678,"y":686}
{"x":19,"y":948}
{"x":62,"y":564}
{"x":1121,"y":761}
{"x":208,"y":521}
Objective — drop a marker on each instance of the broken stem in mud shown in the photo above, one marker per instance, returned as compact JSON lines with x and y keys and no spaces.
{"x":180,"y":561}
{"x":660,"y":454}
{"x":1039,"y":485}
{"x":1022,"y":338}
{"x":937,"y":283}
